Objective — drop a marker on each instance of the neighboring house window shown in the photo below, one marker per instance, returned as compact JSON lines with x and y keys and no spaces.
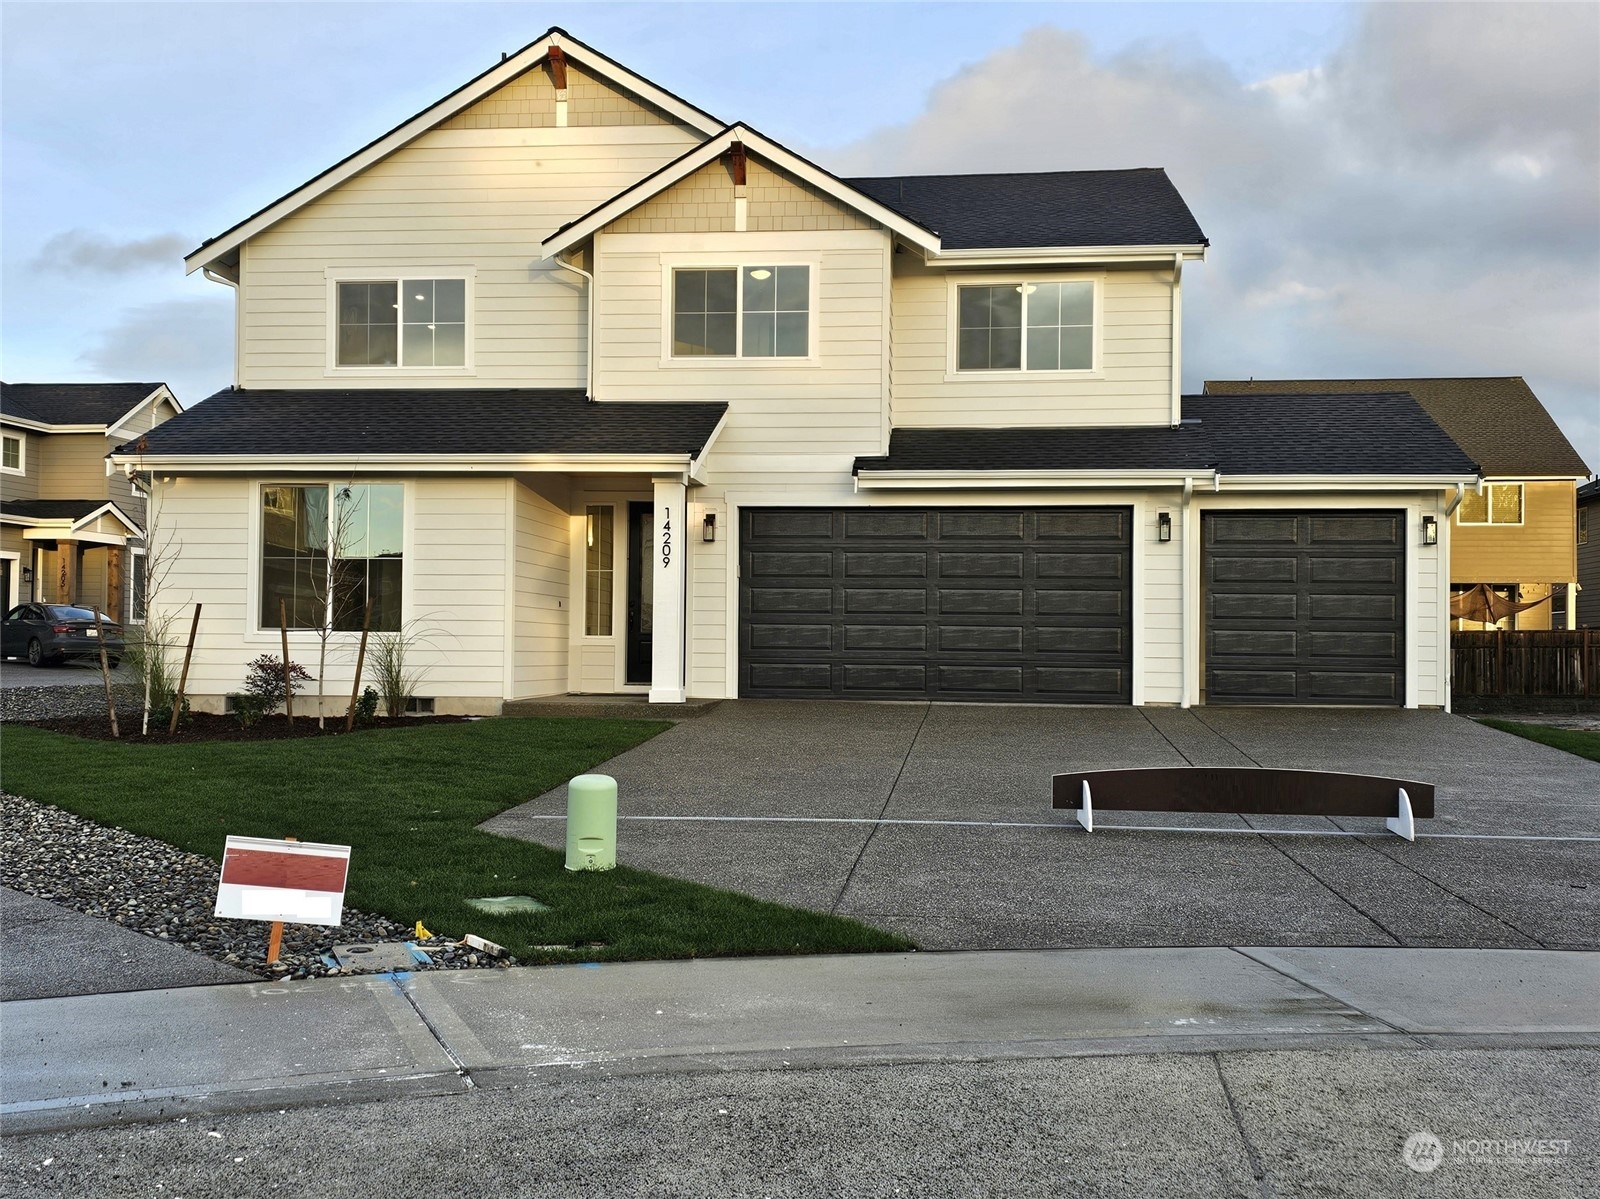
{"x":598,"y":568}
{"x":1583,"y":526}
{"x":743,"y":312}
{"x":11,"y":454}
{"x":138,"y":587}
{"x":1500,"y":504}
{"x":1026,"y":326}
{"x":403,"y":322}
{"x":365,"y":525}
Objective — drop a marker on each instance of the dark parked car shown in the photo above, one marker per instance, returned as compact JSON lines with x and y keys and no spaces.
{"x":46,"y":634}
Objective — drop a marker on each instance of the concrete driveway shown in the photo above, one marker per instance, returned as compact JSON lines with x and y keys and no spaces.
{"x":934,"y":820}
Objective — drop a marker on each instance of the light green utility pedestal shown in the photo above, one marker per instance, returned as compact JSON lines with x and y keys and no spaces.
{"x":592,"y":822}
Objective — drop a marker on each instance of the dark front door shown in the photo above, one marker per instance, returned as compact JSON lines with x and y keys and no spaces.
{"x":641,"y":590}
{"x":1305,"y":607}
{"x":996,"y":604}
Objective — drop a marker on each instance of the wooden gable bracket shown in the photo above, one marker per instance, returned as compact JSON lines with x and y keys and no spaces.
{"x":736,"y":158}
{"x":558,"y":67}
{"x":741,"y":202}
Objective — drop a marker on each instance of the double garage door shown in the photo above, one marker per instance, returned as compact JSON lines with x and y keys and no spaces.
{"x":1035,"y":605}
{"x":1020,"y":605}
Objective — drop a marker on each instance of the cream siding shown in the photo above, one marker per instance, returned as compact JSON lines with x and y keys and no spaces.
{"x":475,"y":199}
{"x":542,"y":581}
{"x":1134,"y":386}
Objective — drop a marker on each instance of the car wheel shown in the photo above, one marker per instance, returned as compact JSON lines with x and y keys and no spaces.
{"x":35,"y":652}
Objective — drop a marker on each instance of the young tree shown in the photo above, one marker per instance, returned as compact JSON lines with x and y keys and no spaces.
{"x":151,"y":603}
{"x":337,"y":589}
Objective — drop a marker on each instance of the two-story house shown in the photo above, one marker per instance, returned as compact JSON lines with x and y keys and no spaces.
{"x":1588,"y":605}
{"x":70,"y":525}
{"x":606,"y":395}
{"x":1516,"y":532}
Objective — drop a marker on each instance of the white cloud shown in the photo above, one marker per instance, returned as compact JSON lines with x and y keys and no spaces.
{"x":1427,"y":201}
{"x":78,"y":251}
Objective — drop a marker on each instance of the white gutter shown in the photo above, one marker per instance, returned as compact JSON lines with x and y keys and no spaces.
{"x":412,"y":463}
{"x":1184,"y":604}
{"x":589,"y":353}
{"x":1009,"y":255}
{"x":1177,"y":339}
{"x":1344,"y":482}
{"x":1017,"y":479}
{"x":38,"y":426}
{"x":238,"y":340}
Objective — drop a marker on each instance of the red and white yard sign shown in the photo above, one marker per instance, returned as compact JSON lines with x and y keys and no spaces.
{"x":301,"y":882}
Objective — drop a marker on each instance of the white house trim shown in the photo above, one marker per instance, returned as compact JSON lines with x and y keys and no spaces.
{"x":412,"y":464}
{"x":208,"y":254}
{"x":925,"y":480}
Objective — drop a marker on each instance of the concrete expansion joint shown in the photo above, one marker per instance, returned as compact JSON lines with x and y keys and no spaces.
{"x":456,"y":1059}
{"x":1258,"y":1169}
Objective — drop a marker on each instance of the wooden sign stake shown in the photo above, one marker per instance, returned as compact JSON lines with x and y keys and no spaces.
{"x":105,"y":671}
{"x":275,"y":938}
{"x":183,"y":679}
{"x":288,"y":682}
{"x":361,"y":658}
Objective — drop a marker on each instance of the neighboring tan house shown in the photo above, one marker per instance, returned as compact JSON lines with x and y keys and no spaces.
{"x":1516,"y":534}
{"x":1588,"y":539}
{"x":605,"y":395}
{"x":70,"y":525}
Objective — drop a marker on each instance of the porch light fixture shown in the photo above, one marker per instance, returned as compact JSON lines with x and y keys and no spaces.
{"x":1163,"y":526}
{"x":27,"y":576}
{"x":1430,"y":530}
{"x":708,"y":527}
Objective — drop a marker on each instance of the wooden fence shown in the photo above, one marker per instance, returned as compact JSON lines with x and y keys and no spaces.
{"x":1554,"y":662}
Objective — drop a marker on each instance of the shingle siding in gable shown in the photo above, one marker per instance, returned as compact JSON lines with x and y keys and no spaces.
{"x":529,"y":102}
{"x":703,"y":203}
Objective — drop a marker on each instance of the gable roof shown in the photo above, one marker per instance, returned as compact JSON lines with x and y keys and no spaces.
{"x":100,"y":405}
{"x":215,"y":249}
{"x":1589,"y":492}
{"x":1496,"y":420}
{"x":424,"y":423}
{"x":75,"y":514}
{"x":709,"y":151}
{"x":1042,"y":209}
{"x":1363,"y":436}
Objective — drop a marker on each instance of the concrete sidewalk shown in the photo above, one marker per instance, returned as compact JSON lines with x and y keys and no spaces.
{"x":158,"y":1055}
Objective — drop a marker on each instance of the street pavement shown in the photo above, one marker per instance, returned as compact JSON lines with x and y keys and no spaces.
{"x":935,"y":821}
{"x":1215,"y":1071}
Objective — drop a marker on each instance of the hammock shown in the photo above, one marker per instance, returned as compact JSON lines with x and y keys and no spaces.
{"x":1482,"y":603}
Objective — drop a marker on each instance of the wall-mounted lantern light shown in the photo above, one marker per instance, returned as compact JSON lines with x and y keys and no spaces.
{"x":1163,"y":526}
{"x":708,"y":527}
{"x":27,"y":576}
{"x":1430,"y":530}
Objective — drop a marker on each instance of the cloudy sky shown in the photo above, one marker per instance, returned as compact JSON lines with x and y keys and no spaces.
{"x":1391,"y":189}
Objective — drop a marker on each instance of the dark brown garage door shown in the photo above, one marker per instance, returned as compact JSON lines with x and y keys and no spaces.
{"x":1305,"y":607}
{"x":948,"y":603}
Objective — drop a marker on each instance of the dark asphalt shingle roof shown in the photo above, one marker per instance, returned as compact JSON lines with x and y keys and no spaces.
{"x":1499,"y":421}
{"x":427,"y":421}
{"x":72,"y":403}
{"x":1035,"y":209}
{"x":1589,"y":491}
{"x":53,"y":509}
{"x":1235,"y":435}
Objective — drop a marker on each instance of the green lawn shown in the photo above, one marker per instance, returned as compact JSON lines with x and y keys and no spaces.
{"x":406,"y":801}
{"x":1574,"y":741}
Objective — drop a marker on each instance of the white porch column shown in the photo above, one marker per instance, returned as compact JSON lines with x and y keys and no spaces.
{"x":668,"y":552}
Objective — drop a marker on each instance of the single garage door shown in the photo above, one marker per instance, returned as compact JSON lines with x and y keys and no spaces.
{"x":993,"y":604}
{"x":1305,"y":607}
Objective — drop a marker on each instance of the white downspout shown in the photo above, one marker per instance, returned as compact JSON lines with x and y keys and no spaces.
{"x":589,"y":353}
{"x":1177,"y":340}
{"x":1184,"y":602}
{"x":238,"y":317}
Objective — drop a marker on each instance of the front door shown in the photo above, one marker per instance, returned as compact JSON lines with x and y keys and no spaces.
{"x":641,"y":590}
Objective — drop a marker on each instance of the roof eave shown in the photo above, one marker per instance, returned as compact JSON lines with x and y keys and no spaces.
{"x":218,"y":248}
{"x":889,"y":480}
{"x":404,"y":463}
{"x":1045,"y":255}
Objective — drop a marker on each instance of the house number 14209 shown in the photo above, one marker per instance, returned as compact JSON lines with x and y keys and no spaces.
{"x":666,"y":537}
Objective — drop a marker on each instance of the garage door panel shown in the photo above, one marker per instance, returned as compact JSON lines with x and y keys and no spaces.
{"x":768,"y":525}
{"x":792,"y":565}
{"x":1083,"y":525}
{"x":873,"y":678}
{"x":885,"y":599}
{"x":1254,"y":570}
{"x":886,"y":566}
{"x":1004,"y":682}
{"x":1304,"y":607}
{"x":970,"y":604}
{"x":973,"y":639}
{"x":1353,"y":570}
{"x":907,"y":524}
{"x":1355,"y":607}
{"x":1113,"y":643}
{"x":791,"y":636}
{"x":980,"y":566}
{"x":1254,"y":607}
{"x":886,"y":637}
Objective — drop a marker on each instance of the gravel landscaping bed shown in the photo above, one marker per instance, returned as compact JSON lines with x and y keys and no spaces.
{"x":19,"y":703}
{"x":92,"y":868}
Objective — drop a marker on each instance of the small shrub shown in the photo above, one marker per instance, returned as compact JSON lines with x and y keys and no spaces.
{"x":161,"y":714}
{"x":264,"y":680}
{"x":249,"y":708}
{"x":367,"y":706}
{"x":392,"y":669}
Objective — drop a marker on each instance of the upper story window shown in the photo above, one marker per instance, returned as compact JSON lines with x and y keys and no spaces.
{"x":1026,"y":326}
{"x":420,"y":323}
{"x":742,"y":312}
{"x":11,"y":459}
{"x":1583,"y":526}
{"x":1500,"y":504}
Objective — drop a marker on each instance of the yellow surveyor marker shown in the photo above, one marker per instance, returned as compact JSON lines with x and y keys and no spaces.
{"x":422,"y":933}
